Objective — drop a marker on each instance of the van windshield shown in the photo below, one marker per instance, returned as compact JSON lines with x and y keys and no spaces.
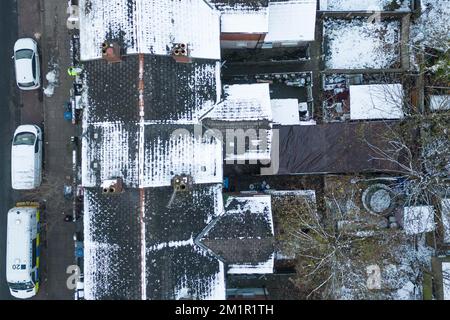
{"x":24,"y":138}
{"x":21,"y":286}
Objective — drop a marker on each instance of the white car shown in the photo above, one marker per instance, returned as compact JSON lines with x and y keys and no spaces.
{"x":26,"y":158}
{"x":27,"y":65}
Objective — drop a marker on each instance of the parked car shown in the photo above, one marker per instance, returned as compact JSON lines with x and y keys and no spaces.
{"x":26,"y":158}
{"x":27,"y":64}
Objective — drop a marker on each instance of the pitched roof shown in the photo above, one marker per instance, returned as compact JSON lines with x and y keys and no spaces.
{"x":173,"y":92}
{"x":148,"y":155}
{"x":174,"y":265}
{"x":248,"y":4}
{"x":243,"y":102}
{"x":144,"y":26}
{"x":174,"y":262}
{"x":245,"y":107}
{"x":111,"y":245}
{"x":143,"y":243}
{"x":243,"y":235}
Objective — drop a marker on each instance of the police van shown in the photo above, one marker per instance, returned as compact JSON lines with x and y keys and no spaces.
{"x":22,"y":250}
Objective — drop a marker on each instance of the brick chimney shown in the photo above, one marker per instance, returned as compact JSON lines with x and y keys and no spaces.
{"x":181,"y":53}
{"x":111,"y":52}
{"x":112,"y":186}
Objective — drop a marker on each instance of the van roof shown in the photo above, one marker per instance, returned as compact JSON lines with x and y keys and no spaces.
{"x":18,"y":250}
{"x":23,"y":166}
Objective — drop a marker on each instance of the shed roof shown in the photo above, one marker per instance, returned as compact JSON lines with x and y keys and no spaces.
{"x":418,"y":219}
{"x":439,"y":102}
{"x":292,"y":21}
{"x":446,"y":279}
{"x":285,"y":111}
{"x":376,"y":101}
{"x":243,"y":16}
{"x":333,"y":148}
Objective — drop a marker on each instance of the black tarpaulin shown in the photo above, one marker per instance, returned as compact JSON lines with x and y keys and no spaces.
{"x":334,"y":148}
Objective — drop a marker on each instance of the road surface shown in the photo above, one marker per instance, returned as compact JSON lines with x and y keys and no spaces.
{"x":9,"y":118}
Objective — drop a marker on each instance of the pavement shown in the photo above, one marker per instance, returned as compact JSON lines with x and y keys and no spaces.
{"x":59,"y":253}
{"x":45,"y":21}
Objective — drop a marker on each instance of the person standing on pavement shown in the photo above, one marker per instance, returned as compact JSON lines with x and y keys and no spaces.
{"x":74,"y":71}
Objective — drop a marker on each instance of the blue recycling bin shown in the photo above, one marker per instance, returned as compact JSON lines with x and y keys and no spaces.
{"x":68,"y":115}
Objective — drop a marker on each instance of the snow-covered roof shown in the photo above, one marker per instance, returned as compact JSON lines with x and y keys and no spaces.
{"x":445,"y":209}
{"x":251,"y":16}
{"x":245,"y":21}
{"x":439,"y":102}
{"x":243,"y":102}
{"x":418,"y":219}
{"x":144,"y":26}
{"x":124,"y":254}
{"x":173,"y":92}
{"x":285,"y":111}
{"x":148,"y":155}
{"x":246,"y":112}
{"x":292,"y":21}
{"x":376,"y":101}
{"x":446,"y":279}
{"x":243,"y":235}
{"x":364,"y":5}
{"x":259,"y":268}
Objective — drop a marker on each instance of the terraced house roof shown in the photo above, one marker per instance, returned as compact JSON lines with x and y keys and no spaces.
{"x":142,"y":126}
{"x":149,"y":26}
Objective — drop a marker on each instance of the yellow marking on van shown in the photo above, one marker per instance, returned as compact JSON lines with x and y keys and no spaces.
{"x":38,"y":215}
{"x":28,"y":204}
{"x":37,"y":262}
{"x":38,"y":239}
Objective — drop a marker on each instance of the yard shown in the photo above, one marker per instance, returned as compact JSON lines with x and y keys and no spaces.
{"x":360,"y":44}
{"x":336,"y":247}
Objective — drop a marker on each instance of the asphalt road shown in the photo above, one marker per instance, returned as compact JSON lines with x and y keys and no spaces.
{"x":9,"y":118}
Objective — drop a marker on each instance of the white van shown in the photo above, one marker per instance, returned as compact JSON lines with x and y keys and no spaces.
{"x":26,"y":158}
{"x":22,"y":250}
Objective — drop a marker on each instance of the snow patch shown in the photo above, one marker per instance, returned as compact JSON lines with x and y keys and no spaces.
{"x":358,"y":44}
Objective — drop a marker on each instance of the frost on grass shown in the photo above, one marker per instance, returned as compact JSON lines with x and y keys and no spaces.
{"x":358,"y":44}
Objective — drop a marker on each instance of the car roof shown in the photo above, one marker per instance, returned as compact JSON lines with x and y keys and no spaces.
{"x":25,"y":43}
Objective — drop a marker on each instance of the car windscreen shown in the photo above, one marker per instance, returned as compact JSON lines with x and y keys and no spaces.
{"x":26,"y":84}
{"x":20,"y":286}
{"x":24,"y":54}
{"x":24,"y":138}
